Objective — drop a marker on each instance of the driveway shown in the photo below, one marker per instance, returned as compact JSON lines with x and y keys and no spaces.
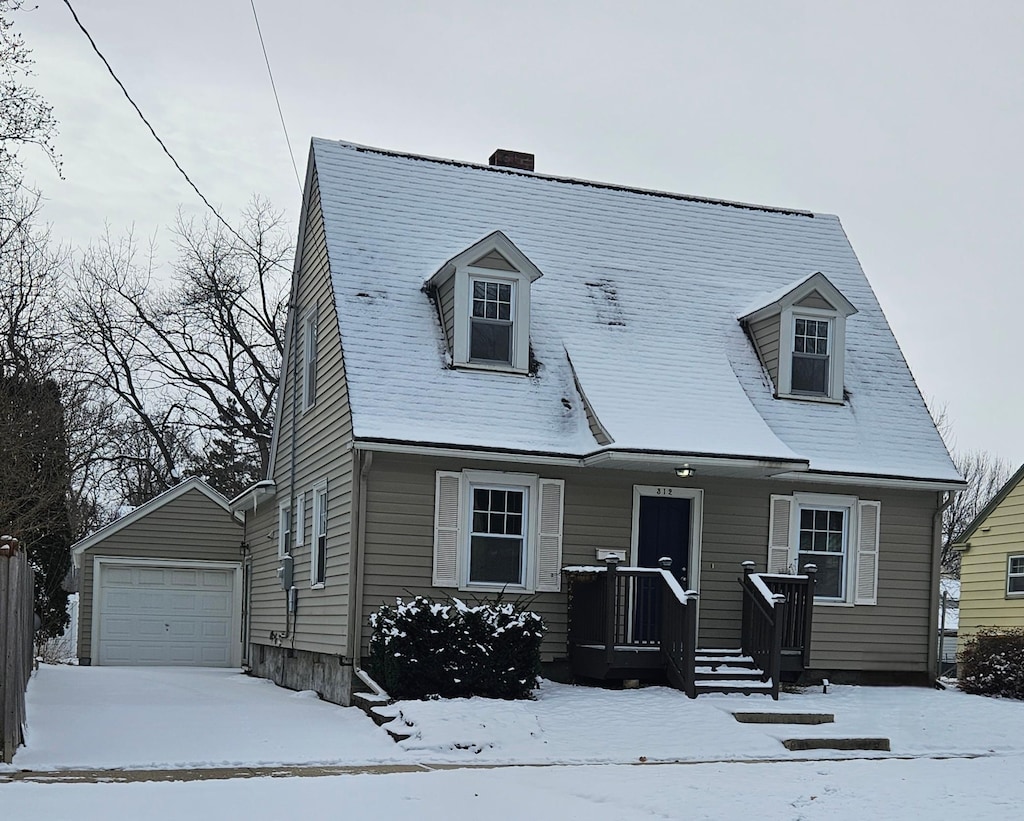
{"x":178,"y":717}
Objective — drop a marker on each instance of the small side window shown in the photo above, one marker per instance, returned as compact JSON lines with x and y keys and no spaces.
{"x":284,"y":530}
{"x":318,"y":566}
{"x":1015,"y":576}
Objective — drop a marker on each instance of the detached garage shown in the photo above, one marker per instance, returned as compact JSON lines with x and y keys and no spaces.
{"x":163,"y":584}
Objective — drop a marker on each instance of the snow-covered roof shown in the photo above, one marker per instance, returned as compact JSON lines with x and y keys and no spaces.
{"x":638,"y":301}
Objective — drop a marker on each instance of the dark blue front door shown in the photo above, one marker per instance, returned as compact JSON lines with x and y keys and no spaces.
{"x":665,"y":531}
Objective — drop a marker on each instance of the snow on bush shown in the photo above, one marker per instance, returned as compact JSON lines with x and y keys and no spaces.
{"x":423,"y":649}
{"x":992,"y":664}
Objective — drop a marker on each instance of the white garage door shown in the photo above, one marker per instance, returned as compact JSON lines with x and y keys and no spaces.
{"x":152,"y":614}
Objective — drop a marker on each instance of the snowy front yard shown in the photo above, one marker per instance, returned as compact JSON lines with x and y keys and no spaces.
{"x":600,"y":752}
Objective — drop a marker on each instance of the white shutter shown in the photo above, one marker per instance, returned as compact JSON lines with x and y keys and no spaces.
{"x":446,"y":529}
{"x":549,"y":537}
{"x":868,"y":516}
{"x":778,"y":533}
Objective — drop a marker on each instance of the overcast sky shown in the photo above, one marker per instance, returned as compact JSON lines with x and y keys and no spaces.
{"x":904,"y":118}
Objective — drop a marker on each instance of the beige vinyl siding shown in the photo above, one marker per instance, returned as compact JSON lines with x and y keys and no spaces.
{"x":191,"y":527}
{"x":765,"y":333}
{"x":983,"y":569}
{"x":495,"y":261}
{"x":892,"y":635}
{"x":323,"y":451}
{"x":446,"y":299}
{"x":816,"y":300}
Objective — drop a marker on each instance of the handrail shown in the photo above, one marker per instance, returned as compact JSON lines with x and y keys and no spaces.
{"x":635,"y":608}
{"x":760,"y":636}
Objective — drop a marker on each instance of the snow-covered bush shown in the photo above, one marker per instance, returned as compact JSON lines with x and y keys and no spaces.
{"x":425,"y":648}
{"x":992,"y":664}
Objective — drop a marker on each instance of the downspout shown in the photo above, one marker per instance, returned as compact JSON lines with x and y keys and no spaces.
{"x":934,"y":652}
{"x":289,"y":617}
{"x":364,"y":461}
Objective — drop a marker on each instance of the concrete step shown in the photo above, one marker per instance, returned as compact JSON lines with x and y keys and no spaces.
{"x":796,"y":744}
{"x":784,"y":718}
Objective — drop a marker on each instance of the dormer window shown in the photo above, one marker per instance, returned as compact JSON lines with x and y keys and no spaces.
{"x":483,"y":299}
{"x":800,"y":336}
{"x":810,"y":368}
{"x":491,"y":322}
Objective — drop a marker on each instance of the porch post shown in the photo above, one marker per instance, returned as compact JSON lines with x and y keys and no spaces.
{"x":745,"y":614}
{"x":611,"y":603}
{"x":811,"y":571}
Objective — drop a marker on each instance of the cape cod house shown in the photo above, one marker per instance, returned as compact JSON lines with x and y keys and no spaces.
{"x":501,"y":382}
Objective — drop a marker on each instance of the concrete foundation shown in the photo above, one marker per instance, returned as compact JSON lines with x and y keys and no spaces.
{"x":329,"y":675}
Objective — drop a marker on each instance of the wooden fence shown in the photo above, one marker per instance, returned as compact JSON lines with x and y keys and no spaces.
{"x":16,"y":633}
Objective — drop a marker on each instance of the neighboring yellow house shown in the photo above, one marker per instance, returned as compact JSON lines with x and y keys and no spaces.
{"x":992,"y":563}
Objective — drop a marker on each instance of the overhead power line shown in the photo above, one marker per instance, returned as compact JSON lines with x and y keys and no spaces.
{"x":273,"y":85}
{"x":161,"y":143}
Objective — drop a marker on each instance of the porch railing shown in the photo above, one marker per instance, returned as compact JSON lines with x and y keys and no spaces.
{"x":776,"y":621}
{"x":628,"y":621}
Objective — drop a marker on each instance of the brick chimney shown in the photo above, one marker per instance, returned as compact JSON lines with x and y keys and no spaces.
{"x":519,"y":160}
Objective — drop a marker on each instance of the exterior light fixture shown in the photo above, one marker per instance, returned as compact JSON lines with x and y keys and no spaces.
{"x":685,"y":472}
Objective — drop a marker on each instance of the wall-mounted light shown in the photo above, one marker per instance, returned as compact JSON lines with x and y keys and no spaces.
{"x":685,"y":472}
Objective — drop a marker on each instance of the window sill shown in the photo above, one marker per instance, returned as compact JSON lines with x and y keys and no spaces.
{"x":496,"y":368}
{"x":831,"y":603}
{"x":494,"y":588}
{"x":803,"y":397}
{"x":317,"y":586}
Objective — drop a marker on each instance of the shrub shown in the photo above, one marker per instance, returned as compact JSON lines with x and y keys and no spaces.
{"x":992,"y":664}
{"x":424,"y":648}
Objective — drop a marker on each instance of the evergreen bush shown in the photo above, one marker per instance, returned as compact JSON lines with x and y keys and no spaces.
{"x":426,"y":649}
{"x":992,"y":664}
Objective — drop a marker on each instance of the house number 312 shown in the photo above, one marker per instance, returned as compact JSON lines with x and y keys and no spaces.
{"x":663,"y":491}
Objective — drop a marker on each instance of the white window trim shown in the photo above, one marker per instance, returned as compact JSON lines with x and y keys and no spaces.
{"x":465,"y":275}
{"x":320,"y":497}
{"x":299,"y":523}
{"x":284,"y":527}
{"x":1013,"y":594}
{"x":837,"y":352}
{"x":310,"y":344}
{"x":513,"y":481}
{"x":821,"y":501}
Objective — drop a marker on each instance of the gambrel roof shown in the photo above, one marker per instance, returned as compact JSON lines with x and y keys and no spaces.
{"x":638,"y":304}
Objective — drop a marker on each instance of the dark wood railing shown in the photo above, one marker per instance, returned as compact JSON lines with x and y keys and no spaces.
{"x":629,"y":622}
{"x":778,"y":612}
{"x":760,"y":631}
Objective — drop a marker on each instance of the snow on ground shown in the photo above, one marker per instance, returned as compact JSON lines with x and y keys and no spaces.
{"x":137,"y":717}
{"x":105,"y":717}
{"x":167,"y":717}
{"x":978,"y":789}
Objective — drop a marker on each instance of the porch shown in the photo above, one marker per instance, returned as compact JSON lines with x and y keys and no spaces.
{"x":639,"y":623}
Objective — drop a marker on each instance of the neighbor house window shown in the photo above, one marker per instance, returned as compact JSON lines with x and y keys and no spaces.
{"x":284,"y":530}
{"x":491,"y":322}
{"x":839,"y":535}
{"x":497,"y":532}
{"x":497,"y":544}
{"x":318,"y":567}
{"x":810,"y":367}
{"x":300,"y":519}
{"x":1015,"y":576}
{"x":822,"y":541}
{"x":309,"y":354}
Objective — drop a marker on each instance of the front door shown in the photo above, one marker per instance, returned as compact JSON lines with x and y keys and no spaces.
{"x":664,"y":531}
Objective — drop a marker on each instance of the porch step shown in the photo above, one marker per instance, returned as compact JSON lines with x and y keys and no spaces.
{"x":727,"y":670}
{"x":726,"y":673}
{"x":748,"y":688}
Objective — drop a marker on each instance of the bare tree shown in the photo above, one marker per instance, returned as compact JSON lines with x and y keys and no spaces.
{"x":192,"y":364}
{"x":984,"y":473}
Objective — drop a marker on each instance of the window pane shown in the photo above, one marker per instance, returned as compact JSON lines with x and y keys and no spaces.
{"x":492,"y":290}
{"x":829,"y":579}
{"x":491,"y":341}
{"x":1016,"y":585}
{"x":496,"y":560}
{"x":1017,"y":564}
{"x":514,"y":524}
{"x":479,"y":290}
{"x":504,"y":311}
{"x":481,"y":499}
{"x":810,"y":374}
{"x":801,"y":327}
